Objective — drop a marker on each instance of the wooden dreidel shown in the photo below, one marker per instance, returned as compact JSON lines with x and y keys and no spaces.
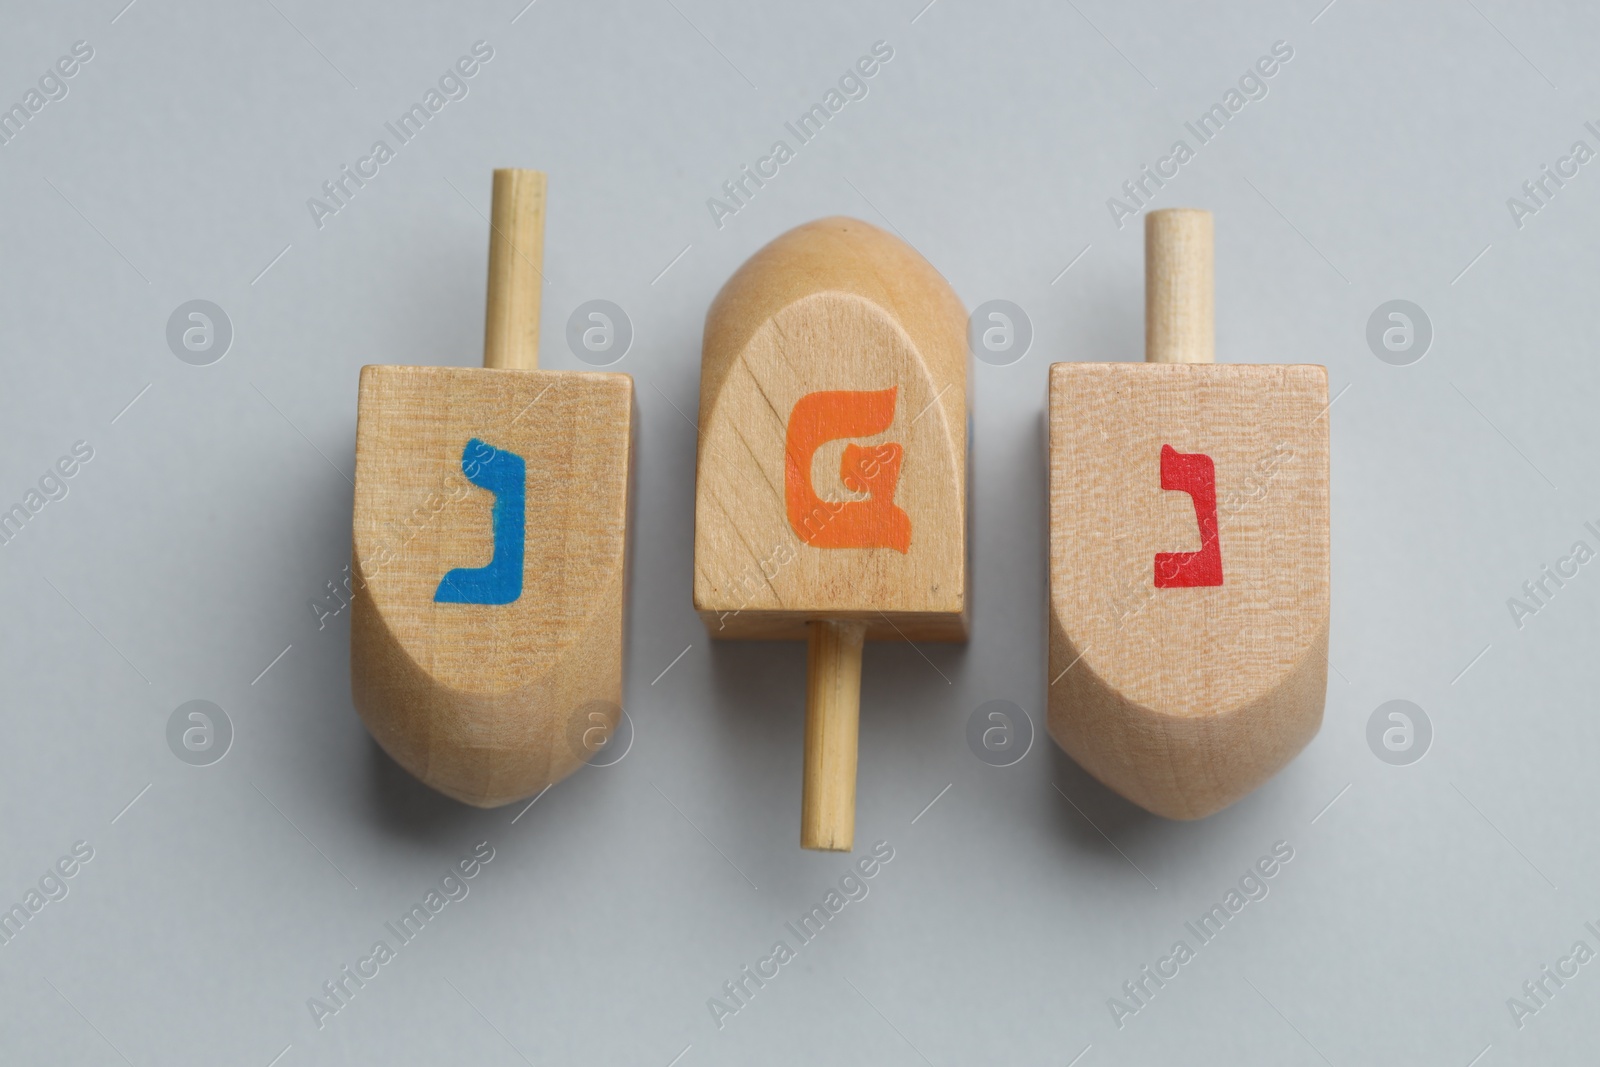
{"x":491,"y":512}
{"x":830,"y":485}
{"x":1188,"y":551}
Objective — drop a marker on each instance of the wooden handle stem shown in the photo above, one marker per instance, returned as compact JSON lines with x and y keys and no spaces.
{"x":516,"y":274}
{"x":1179,"y":287}
{"x":833,"y":716}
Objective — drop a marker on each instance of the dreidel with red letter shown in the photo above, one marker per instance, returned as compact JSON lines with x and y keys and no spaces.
{"x":1188,"y":551}
{"x":830,"y":486}
{"x":490,"y":533}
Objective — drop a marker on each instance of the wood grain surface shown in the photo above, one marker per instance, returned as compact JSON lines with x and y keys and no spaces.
{"x":831,"y":478}
{"x":516,"y":270}
{"x":491,"y":698}
{"x":835,"y":305}
{"x":1185,"y":693}
{"x":480,"y":701}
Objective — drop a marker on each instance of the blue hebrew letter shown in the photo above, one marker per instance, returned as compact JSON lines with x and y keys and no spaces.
{"x":504,"y":474}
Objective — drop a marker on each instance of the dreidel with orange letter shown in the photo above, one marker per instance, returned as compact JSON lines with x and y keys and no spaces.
{"x":490,"y":534}
{"x":830,"y":486}
{"x":1188,"y":551}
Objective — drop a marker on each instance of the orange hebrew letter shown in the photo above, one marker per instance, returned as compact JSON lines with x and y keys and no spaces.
{"x":875,"y":522}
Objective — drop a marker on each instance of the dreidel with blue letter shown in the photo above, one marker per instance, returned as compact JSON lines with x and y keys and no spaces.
{"x":831,"y":481}
{"x":490,"y":536}
{"x":1188,"y":551}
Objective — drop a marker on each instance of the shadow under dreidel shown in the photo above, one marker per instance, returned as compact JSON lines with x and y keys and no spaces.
{"x":759,"y":699}
{"x":1087,"y":813}
{"x":401,"y":806}
{"x":905,"y":687}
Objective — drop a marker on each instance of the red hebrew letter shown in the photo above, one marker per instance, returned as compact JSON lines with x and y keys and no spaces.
{"x":875,"y":522}
{"x":1195,"y":474}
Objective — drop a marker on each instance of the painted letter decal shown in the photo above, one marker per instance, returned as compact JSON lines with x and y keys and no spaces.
{"x":505,"y":475}
{"x":1192,"y":473}
{"x":875,"y":522}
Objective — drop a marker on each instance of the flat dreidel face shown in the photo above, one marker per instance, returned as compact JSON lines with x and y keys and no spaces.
{"x":490,"y":557}
{"x":831,"y":477}
{"x":1188,"y":574}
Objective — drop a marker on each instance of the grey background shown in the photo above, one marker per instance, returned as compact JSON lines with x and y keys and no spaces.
{"x":217,"y":505}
